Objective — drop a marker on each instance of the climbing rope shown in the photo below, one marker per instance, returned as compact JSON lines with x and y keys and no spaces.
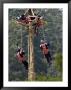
{"x":21,"y":37}
{"x":43,"y":33}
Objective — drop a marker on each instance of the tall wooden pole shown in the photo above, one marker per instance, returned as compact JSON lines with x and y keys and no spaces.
{"x":31,"y":61}
{"x":31,"y":71}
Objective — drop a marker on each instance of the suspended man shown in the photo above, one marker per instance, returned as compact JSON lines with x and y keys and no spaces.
{"x":45,"y":50}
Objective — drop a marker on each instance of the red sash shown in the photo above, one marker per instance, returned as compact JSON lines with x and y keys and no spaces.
{"x":44,"y":49}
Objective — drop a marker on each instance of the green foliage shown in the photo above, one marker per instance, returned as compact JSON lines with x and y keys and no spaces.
{"x":58,"y":78}
{"x":58,"y":61}
{"x":41,"y":78}
{"x":48,"y":78}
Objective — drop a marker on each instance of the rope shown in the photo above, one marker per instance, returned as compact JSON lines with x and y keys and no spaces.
{"x":43,"y":33}
{"x":21,"y":37}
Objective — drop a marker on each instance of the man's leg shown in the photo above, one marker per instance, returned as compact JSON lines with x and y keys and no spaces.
{"x":47,"y":57}
{"x":25,"y":64}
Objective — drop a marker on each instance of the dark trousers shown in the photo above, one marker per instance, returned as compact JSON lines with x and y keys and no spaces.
{"x":25,"y":64}
{"x":48,"y":57}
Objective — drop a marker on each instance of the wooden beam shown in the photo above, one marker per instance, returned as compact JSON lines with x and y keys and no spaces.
{"x":31,"y":72}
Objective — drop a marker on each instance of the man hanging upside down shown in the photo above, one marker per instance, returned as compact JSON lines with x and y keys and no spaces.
{"x":45,"y":50}
{"x":21,"y":57}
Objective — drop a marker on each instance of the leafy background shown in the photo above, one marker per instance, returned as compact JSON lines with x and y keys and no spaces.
{"x":52,"y":34}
